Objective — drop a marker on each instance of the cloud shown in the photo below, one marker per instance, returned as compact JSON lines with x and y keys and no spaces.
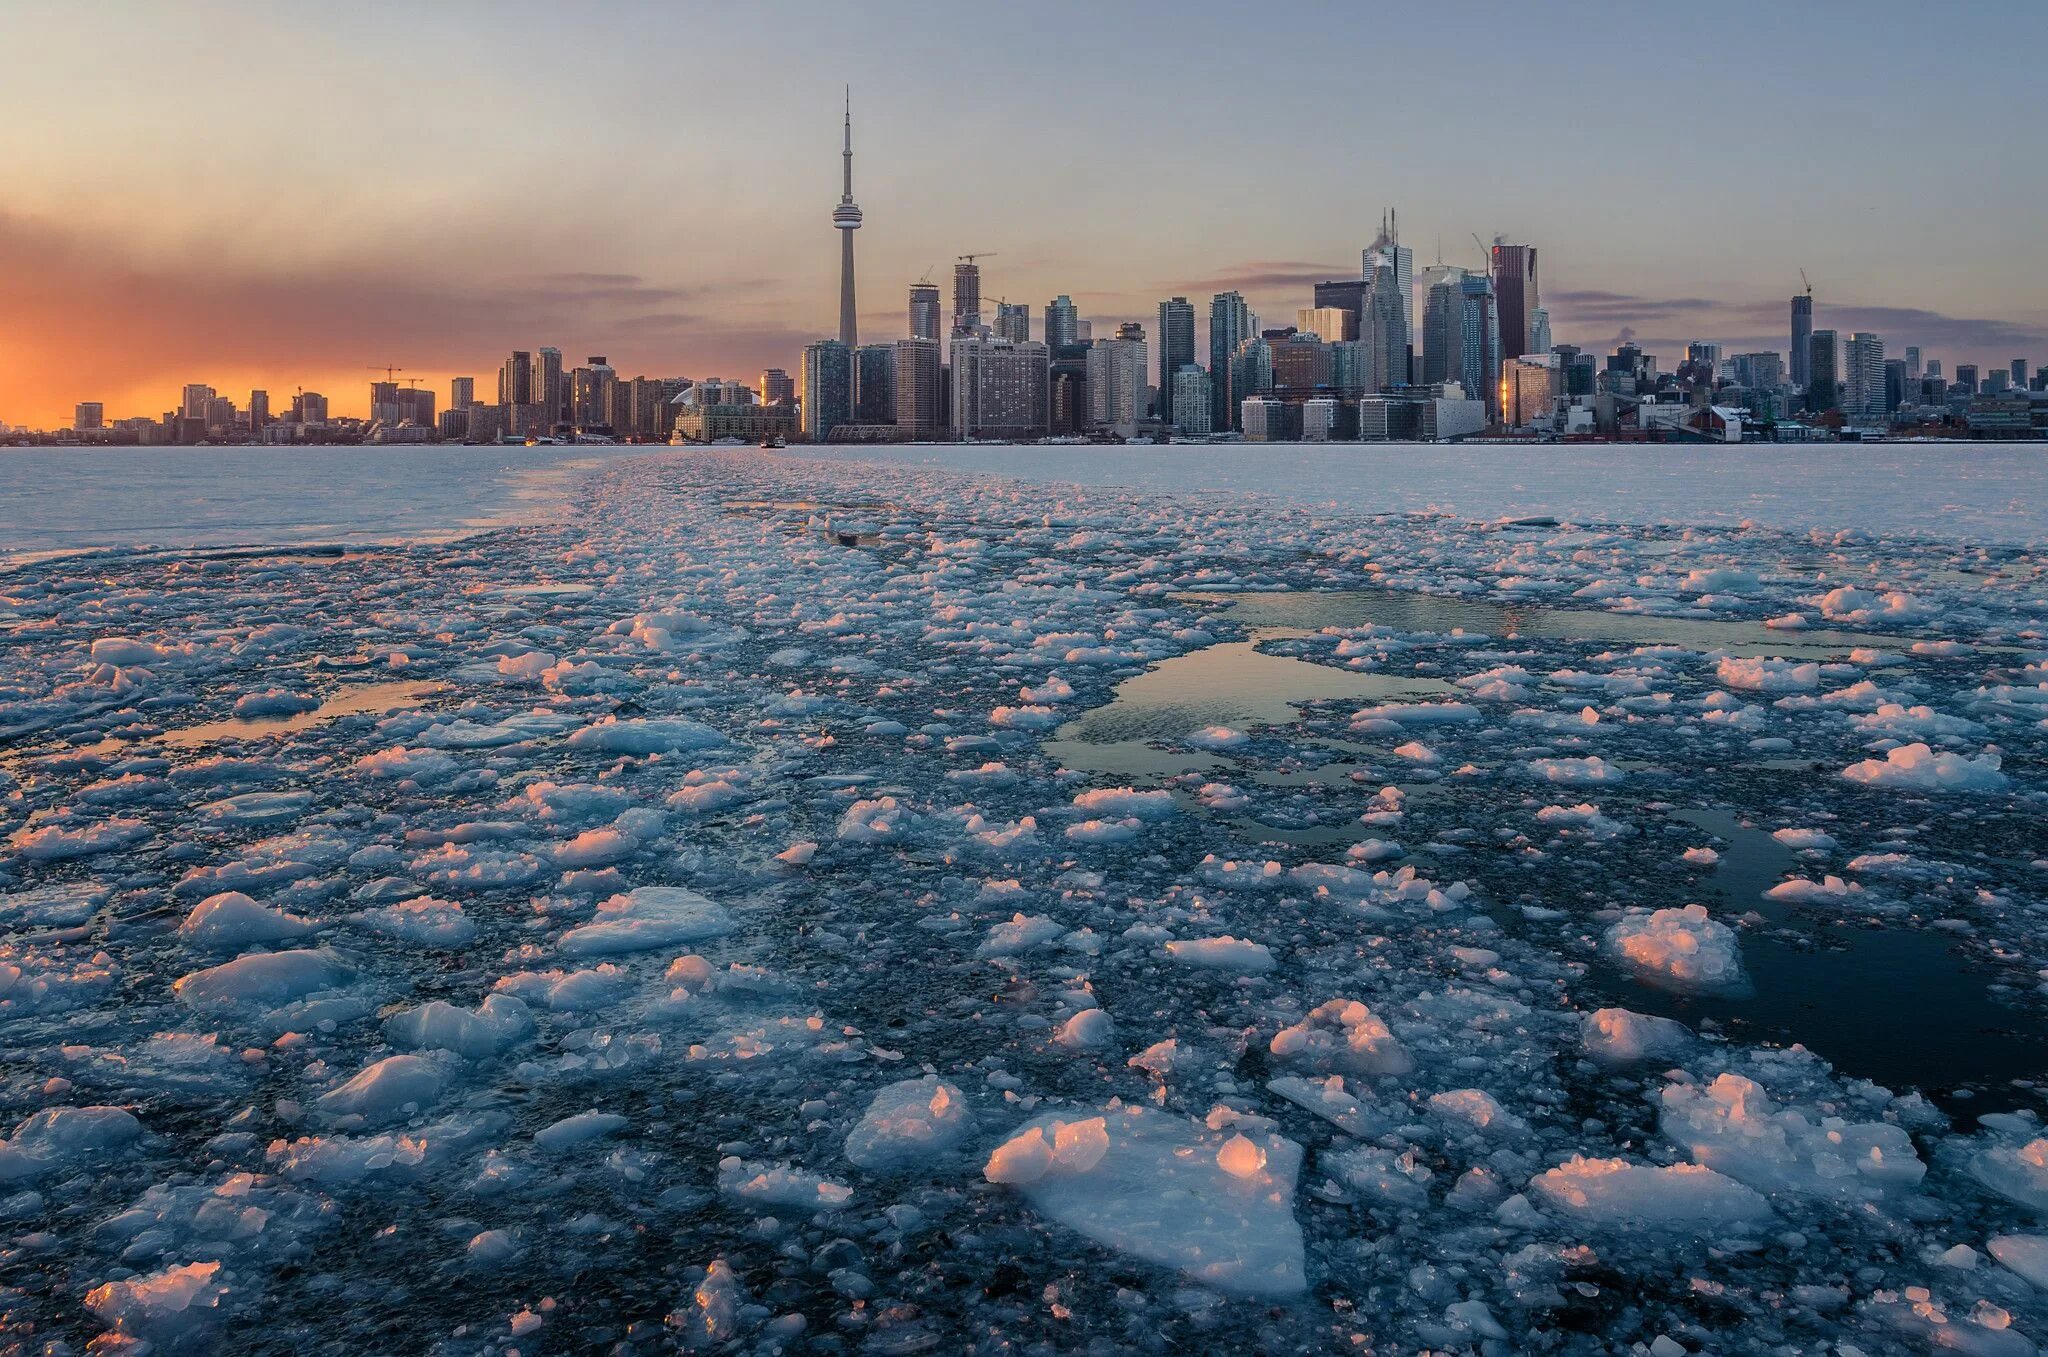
{"x":1595,"y":307}
{"x":1260,"y":276}
{"x":83,"y":322}
{"x":1765,"y":324}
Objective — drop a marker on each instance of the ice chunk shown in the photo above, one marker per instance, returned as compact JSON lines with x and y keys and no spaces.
{"x":52,"y":841}
{"x":1919,"y":768}
{"x":1476,"y":1109}
{"x":58,"y":1137}
{"x":779,"y":1185}
{"x":169,"y":1307}
{"x":1681,"y":949}
{"x":1223,"y":954}
{"x":1085,"y":1031}
{"x":1615,"y":1194}
{"x":579,"y":1129}
{"x":2016,"y":1172}
{"x":1576,"y":771}
{"x":908,"y":1124}
{"x":231,"y":921}
{"x":263,"y":979}
{"x":647,"y":917}
{"x":1218,"y":1207}
{"x":1620,"y":1036}
{"x":878,"y":820}
{"x":1759,"y":675}
{"x":494,"y":1026}
{"x":397,"y":1085}
{"x":428,"y":921}
{"x":2026,"y":1254}
{"x":652,"y":735}
{"x":1022,"y":933}
{"x":1732,"y":1125}
{"x":1830,"y":890}
{"x":1126,"y":802}
{"x":1342,"y":1036}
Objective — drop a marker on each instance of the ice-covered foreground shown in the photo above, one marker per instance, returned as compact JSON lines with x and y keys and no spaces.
{"x":678,"y":926}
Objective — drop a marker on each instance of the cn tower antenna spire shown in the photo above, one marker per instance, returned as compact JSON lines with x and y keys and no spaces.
{"x":846,"y":220}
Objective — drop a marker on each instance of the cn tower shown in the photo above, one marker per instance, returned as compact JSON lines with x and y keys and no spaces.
{"x":846,"y":217}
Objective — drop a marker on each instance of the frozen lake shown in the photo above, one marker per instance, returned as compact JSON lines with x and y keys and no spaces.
{"x":775,"y":904}
{"x":65,"y":499}
{"x":68,"y":499}
{"x":1984,"y":491}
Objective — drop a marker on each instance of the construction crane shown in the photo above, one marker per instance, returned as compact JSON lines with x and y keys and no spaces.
{"x":970,"y":258}
{"x":1485,"y":259}
{"x":390,"y":370}
{"x":1803,"y":279}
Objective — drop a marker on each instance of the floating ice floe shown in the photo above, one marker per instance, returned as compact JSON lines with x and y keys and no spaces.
{"x":1682,"y":949}
{"x":909,"y":1124}
{"x":647,"y":917}
{"x":1218,"y":1207}
{"x":1342,"y":1036}
{"x":1733,"y":1126}
{"x":1614,"y":1194}
{"x":1916,"y":767}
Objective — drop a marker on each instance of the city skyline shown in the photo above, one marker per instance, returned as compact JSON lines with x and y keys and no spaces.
{"x":248,"y":281}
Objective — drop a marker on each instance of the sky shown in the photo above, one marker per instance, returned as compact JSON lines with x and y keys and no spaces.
{"x":285,"y":195}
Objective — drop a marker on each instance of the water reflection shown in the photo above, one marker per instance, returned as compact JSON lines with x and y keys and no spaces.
{"x":364,"y":699}
{"x":1316,"y":609}
{"x":1902,"y":1007}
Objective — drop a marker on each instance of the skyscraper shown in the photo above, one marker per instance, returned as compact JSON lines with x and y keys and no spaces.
{"x":1516,"y":294}
{"x":1387,"y":255}
{"x":1191,"y":404}
{"x":1230,"y":324}
{"x":259,"y":411}
{"x":1116,"y":381}
{"x":1331,"y":324}
{"x":924,"y":311}
{"x":591,"y":389}
{"x":1913,"y":362}
{"x":1176,"y":345}
{"x":1382,"y":326}
{"x":1013,"y":322}
{"x":550,"y":392}
{"x":966,"y":298}
{"x":777,"y":386}
{"x":515,"y":379}
{"x":2019,"y":374}
{"x":1347,"y":295}
{"x":1443,"y":326}
{"x":1478,"y":356}
{"x":1802,"y":340}
{"x":1863,"y":377}
{"x":1062,"y":322}
{"x":1001,"y":389}
{"x":874,"y":384}
{"x":461,"y":393}
{"x":846,"y":220}
{"x":919,"y":413}
{"x":1823,"y":371}
{"x":828,"y":388}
